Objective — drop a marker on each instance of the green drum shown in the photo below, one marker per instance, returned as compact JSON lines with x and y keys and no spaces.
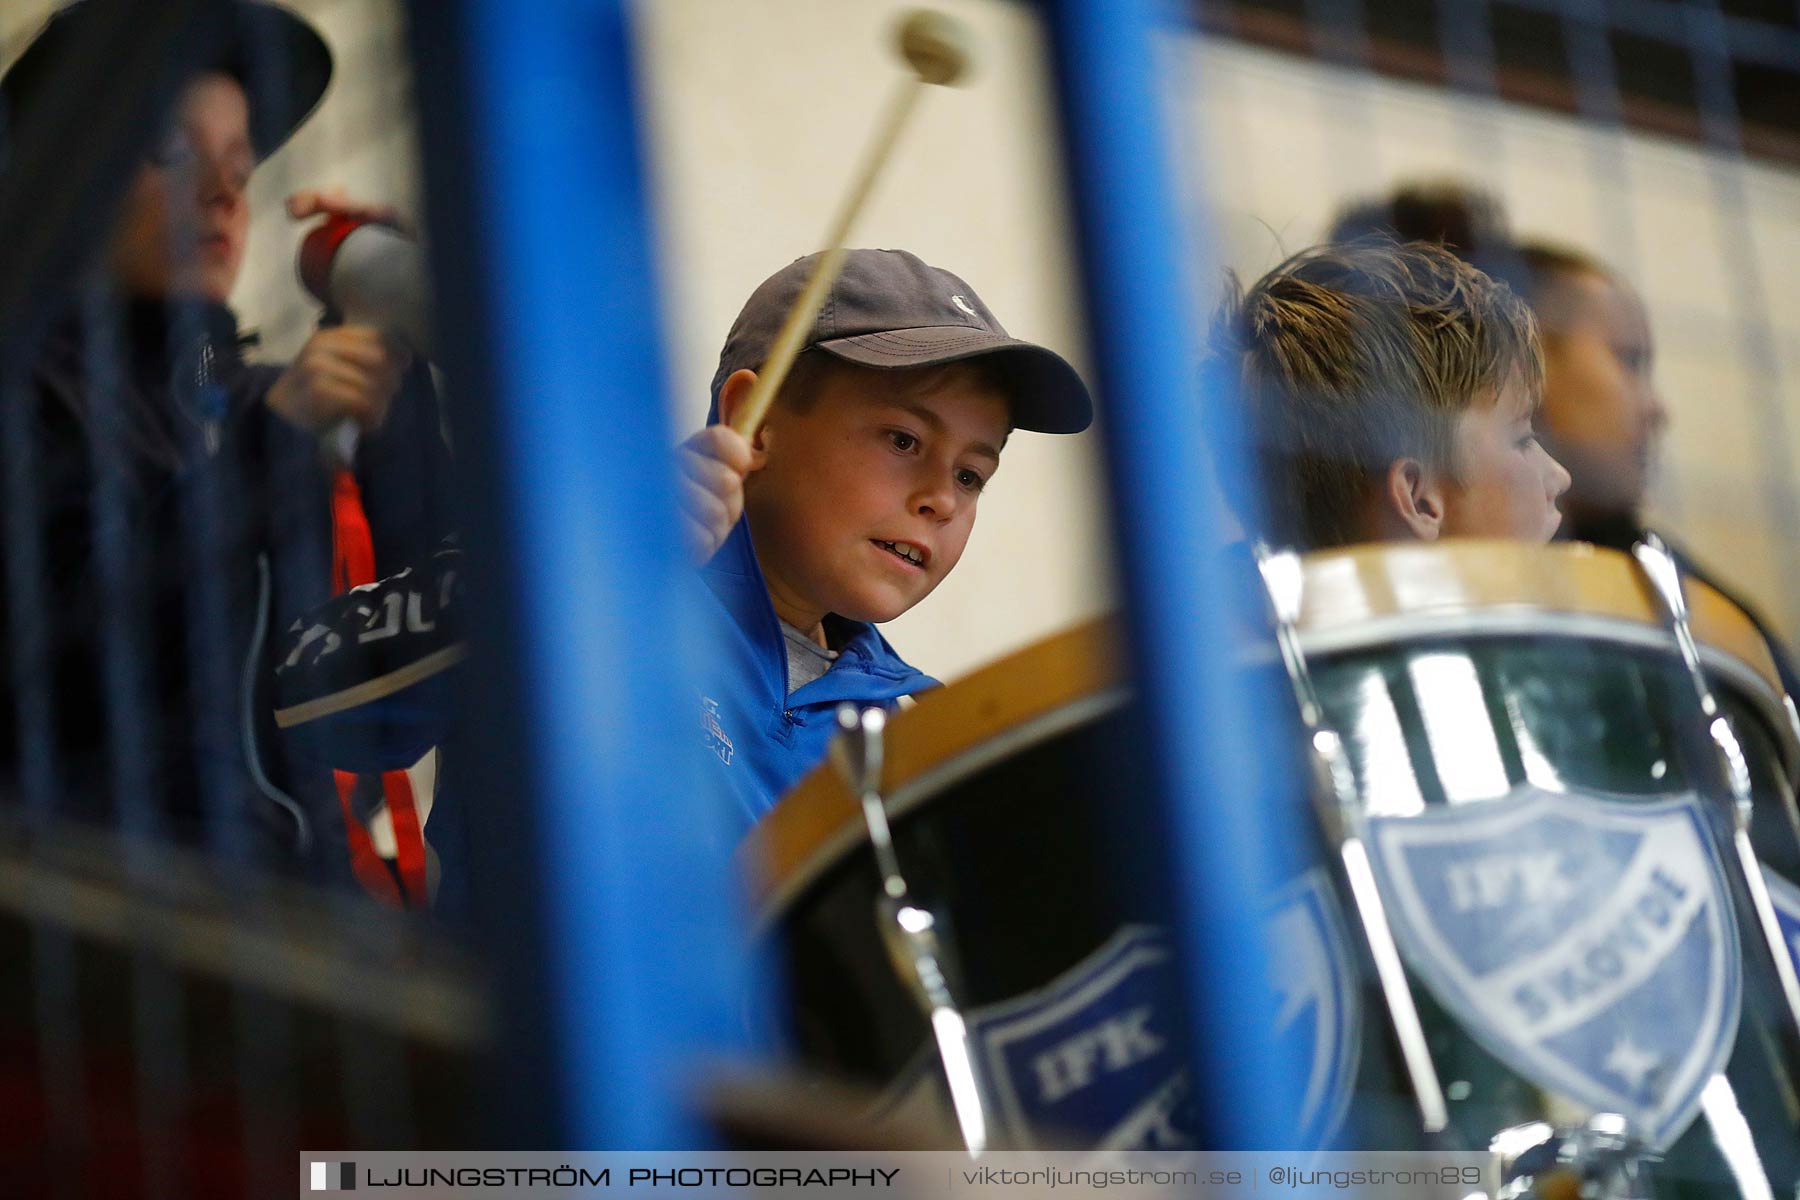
{"x":1538,"y":815}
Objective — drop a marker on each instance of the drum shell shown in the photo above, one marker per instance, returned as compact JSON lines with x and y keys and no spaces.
{"x":1572,"y":688}
{"x":1012,"y":797}
{"x":857,"y":1019}
{"x":1007,"y":857}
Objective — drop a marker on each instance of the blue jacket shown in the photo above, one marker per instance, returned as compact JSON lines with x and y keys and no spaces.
{"x":763,"y":741}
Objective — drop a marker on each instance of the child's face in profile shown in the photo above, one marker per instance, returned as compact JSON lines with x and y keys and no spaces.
{"x":185,"y":220}
{"x":868,"y":496}
{"x":1601,"y":409}
{"x":1506,"y":483}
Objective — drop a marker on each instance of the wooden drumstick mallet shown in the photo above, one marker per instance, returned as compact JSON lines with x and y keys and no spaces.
{"x":937,"y":49}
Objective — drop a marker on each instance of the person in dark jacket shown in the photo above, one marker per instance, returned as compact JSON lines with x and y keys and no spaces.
{"x":169,"y":502}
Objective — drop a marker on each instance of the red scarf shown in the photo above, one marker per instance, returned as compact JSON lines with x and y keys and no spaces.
{"x":404,"y":883}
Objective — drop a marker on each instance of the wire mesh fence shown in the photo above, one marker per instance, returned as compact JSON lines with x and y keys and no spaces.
{"x":240,"y":885}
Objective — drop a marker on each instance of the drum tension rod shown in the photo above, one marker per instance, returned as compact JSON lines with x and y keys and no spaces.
{"x":909,"y":931}
{"x":1334,"y":787}
{"x":1664,"y":575}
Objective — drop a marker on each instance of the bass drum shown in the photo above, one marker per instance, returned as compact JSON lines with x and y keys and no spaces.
{"x":1062,"y":972}
{"x":1542,"y":809}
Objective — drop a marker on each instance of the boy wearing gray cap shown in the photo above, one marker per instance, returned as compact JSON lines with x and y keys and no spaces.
{"x":853,"y":500}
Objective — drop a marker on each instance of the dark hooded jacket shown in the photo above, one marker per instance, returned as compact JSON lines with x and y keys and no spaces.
{"x":160,"y":523}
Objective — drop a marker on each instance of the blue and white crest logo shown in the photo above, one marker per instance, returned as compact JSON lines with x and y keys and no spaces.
{"x":1586,"y":941}
{"x":1318,"y":1012}
{"x":1786,"y":899}
{"x":1095,"y":1051}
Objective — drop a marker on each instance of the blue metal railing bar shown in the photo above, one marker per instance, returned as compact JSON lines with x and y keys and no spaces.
{"x":1228,"y":847}
{"x":637,"y":951}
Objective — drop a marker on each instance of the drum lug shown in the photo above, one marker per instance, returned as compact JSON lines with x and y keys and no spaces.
{"x":910,"y":932}
{"x":1599,"y":1159}
{"x":1663,"y":573}
{"x":1336,"y":804}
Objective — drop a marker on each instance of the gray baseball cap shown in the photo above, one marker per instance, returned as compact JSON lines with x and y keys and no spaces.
{"x":890,"y":310}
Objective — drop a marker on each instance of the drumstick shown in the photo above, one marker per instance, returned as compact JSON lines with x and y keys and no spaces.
{"x":936,"y":47}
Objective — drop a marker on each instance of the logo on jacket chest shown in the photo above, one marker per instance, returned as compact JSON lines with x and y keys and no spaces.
{"x":714,"y":733}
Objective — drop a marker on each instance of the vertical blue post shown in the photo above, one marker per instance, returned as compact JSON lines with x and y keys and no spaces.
{"x":1229,"y":844}
{"x":583,"y":714}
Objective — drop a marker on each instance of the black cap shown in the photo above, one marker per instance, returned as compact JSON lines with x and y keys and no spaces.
{"x":280,"y":60}
{"x":890,"y":310}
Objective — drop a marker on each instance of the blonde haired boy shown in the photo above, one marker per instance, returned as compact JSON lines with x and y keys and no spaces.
{"x":1393,"y":391}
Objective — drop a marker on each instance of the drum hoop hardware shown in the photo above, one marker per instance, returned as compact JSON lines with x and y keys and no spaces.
{"x":1041,"y":728}
{"x":927,"y":783}
{"x":1374,"y":632}
{"x":909,"y":930}
{"x":1664,"y":576}
{"x":1599,"y":1157}
{"x":776,"y":893}
{"x":857,"y":753}
{"x":1334,"y":791}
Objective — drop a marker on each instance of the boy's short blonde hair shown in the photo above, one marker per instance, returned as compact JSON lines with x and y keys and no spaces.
{"x":1353,"y":355}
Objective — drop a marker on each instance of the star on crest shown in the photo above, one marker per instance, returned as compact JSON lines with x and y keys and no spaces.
{"x":1629,"y":1062}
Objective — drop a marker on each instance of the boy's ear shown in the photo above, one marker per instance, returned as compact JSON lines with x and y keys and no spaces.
{"x":732,"y":394}
{"x":1412,"y":499}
